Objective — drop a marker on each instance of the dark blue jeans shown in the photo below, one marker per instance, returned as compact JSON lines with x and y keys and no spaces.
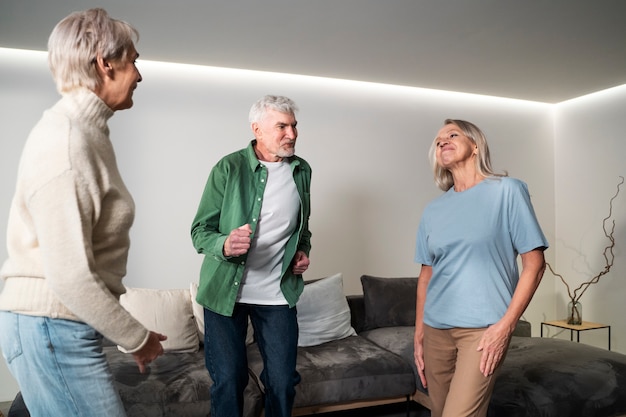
{"x":276,"y":333}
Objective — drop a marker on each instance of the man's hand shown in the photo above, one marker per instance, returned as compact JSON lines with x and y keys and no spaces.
{"x":300,"y":263}
{"x":150,"y":351}
{"x":238,"y":241}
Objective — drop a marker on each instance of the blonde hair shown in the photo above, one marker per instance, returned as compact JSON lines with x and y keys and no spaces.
{"x":443,"y":177}
{"x":76,"y":42}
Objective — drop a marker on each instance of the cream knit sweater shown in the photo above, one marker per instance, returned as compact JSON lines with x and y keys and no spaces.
{"x":68,"y":230}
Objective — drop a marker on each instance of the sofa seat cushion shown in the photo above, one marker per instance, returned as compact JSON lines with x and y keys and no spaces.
{"x":175,"y":384}
{"x":559,"y":378}
{"x":399,"y":340}
{"x":344,"y":371}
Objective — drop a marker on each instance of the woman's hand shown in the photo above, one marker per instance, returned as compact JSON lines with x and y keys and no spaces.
{"x":150,"y":351}
{"x":493,"y":344}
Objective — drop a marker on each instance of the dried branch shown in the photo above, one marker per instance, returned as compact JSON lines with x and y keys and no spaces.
{"x":569,"y":291}
{"x":609,"y":257}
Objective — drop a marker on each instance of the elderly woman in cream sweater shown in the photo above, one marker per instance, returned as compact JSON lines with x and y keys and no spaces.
{"x":68,"y":231}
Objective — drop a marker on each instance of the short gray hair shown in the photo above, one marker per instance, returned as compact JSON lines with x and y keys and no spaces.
{"x":78,"y":39}
{"x":279,"y":103}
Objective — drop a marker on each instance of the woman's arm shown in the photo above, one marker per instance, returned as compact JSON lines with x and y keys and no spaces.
{"x":496,"y":339}
{"x":422,"y":284}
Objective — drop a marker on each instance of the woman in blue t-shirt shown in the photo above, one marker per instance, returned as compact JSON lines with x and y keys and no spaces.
{"x":470,"y":294}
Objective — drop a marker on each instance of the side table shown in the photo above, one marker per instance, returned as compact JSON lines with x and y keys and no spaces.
{"x":586,"y":325}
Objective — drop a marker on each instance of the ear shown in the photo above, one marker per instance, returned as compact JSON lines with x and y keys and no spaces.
{"x":104,"y":67}
{"x":255,"y":129}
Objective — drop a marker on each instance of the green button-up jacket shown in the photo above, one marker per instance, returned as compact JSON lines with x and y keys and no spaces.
{"x":232,"y":197}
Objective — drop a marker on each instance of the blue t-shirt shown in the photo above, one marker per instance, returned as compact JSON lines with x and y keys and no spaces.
{"x":472,"y":239}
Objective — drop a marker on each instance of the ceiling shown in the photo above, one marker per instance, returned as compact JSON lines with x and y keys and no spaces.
{"x":540,"y":50}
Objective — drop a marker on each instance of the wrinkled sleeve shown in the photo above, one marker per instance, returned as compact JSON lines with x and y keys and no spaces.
{"x":205,"y":229}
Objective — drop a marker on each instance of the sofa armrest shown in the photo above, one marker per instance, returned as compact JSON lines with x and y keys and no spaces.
{"x":522,"y":328}
{"x":357,"y":312}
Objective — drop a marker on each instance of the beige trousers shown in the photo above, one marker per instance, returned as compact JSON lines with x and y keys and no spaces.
{"x":456,"y":386}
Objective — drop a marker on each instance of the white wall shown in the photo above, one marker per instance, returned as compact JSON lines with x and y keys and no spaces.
{"x":367,"y":145}
{"x":590,"y":155}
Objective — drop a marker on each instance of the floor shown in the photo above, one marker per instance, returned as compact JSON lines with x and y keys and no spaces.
{"x":394,"y":410}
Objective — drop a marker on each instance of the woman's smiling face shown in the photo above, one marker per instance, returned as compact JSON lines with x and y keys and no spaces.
{"x":453,"y":147}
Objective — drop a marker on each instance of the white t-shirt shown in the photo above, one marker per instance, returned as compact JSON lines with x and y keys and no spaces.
{"x":278,"y":220}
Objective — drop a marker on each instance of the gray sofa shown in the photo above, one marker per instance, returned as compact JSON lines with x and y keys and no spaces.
{"x":540,"y":376}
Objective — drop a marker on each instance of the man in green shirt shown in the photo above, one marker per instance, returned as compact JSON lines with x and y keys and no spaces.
{"x":252,"y":226}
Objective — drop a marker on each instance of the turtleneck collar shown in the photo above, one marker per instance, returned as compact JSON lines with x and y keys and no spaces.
{"x":84,"y":104}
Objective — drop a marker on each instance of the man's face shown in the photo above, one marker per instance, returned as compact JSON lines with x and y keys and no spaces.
{"x":276,"y":136}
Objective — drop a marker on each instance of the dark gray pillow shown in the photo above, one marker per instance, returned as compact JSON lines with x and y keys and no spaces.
{"x":389,"y":301}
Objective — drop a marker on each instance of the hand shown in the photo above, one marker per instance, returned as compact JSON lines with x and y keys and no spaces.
{"x":300,"y":263}
{"x":418,"y":355}
{"x":150,"y":351}
{"x":493,"y":344}
{"x":238,"y":241}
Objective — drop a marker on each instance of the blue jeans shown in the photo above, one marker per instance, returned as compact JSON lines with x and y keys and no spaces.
{"x":276,"y":333}
{"x":59,"y":366}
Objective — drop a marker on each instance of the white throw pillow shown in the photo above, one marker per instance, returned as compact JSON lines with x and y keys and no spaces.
{"x":323,"y":312}
{"x":198,"y":313}
{"x":198,"y":310}
{"x":167,"y":312}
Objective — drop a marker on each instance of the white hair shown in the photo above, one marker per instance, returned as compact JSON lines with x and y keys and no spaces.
{"x":78,"y":39}
{"x":279,"y":103}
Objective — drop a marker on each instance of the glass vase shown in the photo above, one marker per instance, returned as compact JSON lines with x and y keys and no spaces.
{"x":574,"y":313}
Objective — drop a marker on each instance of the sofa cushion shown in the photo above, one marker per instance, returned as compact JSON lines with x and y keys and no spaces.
{"x":198,"y":314}
{"x":556,"y":378}
{"x":399,"y":340}
{"x":175,"y":384}
{"x":343,"y":371}
{"x":198,"y":310}
{"x":323,"y":312}
{"x":165,"y":311}
{"x":389,"y":302}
